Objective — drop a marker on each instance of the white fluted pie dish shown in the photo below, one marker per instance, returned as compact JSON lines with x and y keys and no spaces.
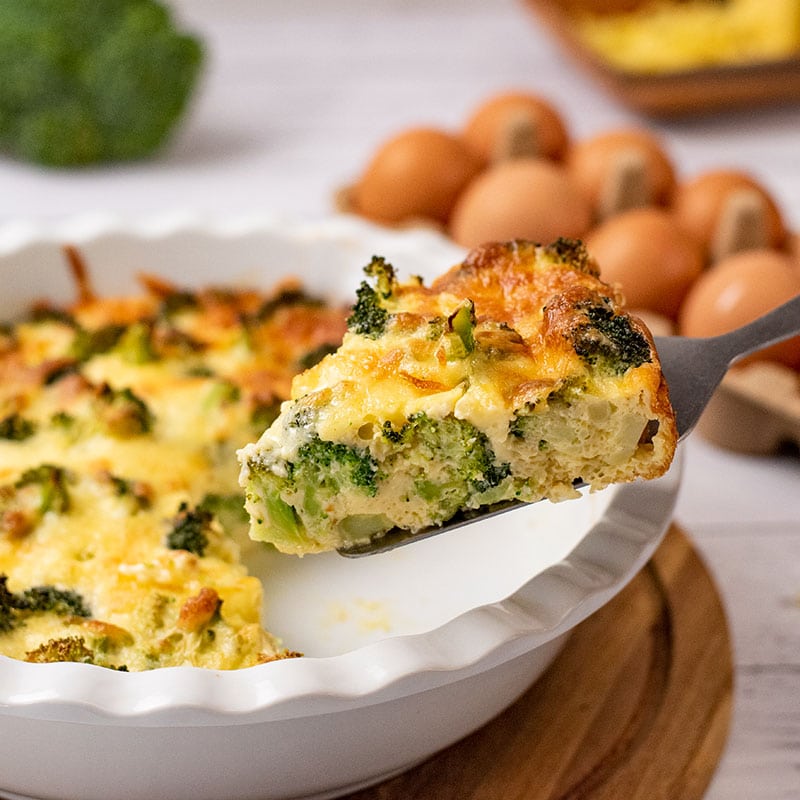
{"x":406,"y":652}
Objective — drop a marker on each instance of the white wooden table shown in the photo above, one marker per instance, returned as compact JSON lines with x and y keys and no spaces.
{"x":296,"y":97}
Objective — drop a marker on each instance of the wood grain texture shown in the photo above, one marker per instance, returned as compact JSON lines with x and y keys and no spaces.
{"x":637,"y":706}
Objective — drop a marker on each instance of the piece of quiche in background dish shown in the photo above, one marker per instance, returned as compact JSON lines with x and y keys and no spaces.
{"x":516,"y":375}
{"x":122,"y":524}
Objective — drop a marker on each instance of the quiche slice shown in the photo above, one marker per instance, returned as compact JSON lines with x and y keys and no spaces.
{"x":516,"y":375}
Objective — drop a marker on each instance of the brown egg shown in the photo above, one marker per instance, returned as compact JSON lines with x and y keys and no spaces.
{"x":729,"y":211}
{"x":418,"y":173}
{"x":516,"y":124}
{"x":622,"y":169}
{"x":525,"y":198}
{"x":793,"y":247}
{"x":652,"y":258}
{"x":738,"y":289}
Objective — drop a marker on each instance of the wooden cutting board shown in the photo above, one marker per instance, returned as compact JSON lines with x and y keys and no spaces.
{"x":636,"y":706}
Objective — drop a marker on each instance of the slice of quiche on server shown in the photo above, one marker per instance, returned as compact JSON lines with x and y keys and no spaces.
{"x":516,"y":375}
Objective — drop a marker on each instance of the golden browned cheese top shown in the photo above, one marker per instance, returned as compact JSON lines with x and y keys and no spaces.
{"x":119,"y":422}
{"x":535,"y":329}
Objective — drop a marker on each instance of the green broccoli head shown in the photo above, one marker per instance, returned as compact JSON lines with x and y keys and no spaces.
{"x":48,"y":486}
{"x":68,"y":648}
{"x":54,"y":599}
{"x":87,"y":81}
{"x":38,"y":599}
{"x":135,"y":345}
{"x":89,"y":343}
{"x":462,"y":323}
{"x":320,"y":471}
{"x":610,"y":341}
{"x":333,"y":465}
{"x":369,"y":317}
{"x":16,"y":428}
{"x":333,"y":489}
{"x":464,"y":449}
{"x":190,"y":530}
{"x":122,"y":413}
{"x":572,"y":253}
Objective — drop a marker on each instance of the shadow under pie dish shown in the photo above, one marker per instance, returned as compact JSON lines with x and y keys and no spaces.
{"x":438,"y":655}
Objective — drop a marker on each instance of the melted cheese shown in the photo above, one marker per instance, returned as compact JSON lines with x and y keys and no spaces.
{"x":204,"y":372}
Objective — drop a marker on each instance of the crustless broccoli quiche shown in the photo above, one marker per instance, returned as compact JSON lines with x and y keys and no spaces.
{"x":517,"y":375}
{"x":121,"y":519}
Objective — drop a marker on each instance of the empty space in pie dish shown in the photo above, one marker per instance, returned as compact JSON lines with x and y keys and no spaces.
{"x":327,"y":605}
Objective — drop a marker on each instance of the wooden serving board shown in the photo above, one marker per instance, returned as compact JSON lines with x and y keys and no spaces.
{"x":637,"y":705}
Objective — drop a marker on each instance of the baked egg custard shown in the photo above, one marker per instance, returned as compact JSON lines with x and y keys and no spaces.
{"x":121,"y":518}
{"x":516,"y":375}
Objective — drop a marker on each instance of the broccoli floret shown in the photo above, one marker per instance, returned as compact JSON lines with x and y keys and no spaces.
{"x":51,"y":482}
{"x":69,"y":648}
{"x":122,"y":412}
{"x":167,"y":340}
{"x":88,"y":343}
{"x":517,"y":427}
{"x":16,"y":428}
{"x":137,"y":492}
{"x":369,"y":316}
{"x":36,"y":492}
{"x":91,"y":80}
{"x":37,"y":599}
{"x":291,"y":296}
{"x":321,"y":469}
{"x":392,"y":435}
{"x":573,"y":253}
{"x":60,"y":368}
{"x":63,"y":420}
{"x":383,"y":273}
{"x":466,"y":450}
{"x":610,"y":341}
{"x":176,"y":301}
{"x":51,"y":598}
{"x":333,"y":464}
{"x":135,"y":345}
{"x":7,"y":606}
{"x":190,"y":530}
{"x":222,"y":393}
{"x":462,"y":323}
{"x":329,"y":486}
{"x":44,"y":312}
